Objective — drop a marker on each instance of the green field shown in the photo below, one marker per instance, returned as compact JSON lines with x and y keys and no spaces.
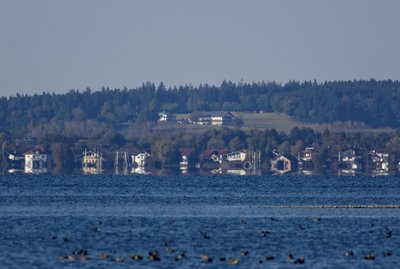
{"x":276,"y":121}
{"x":282,"y":122}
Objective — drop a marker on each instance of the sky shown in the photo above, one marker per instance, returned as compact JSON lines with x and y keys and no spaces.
{"x":55,"y":46}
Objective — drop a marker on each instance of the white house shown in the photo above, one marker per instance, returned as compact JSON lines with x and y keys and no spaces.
{"x":380,"y":162}
{"x":185,"y":160}
{"x":140,"y":159}
{"x":36,"y":161}
{"x":236,"y":156}
{"x":306,"y":155}
{"x":216,"y":118}
{"x":92,"y":162}
{"x":221,"y":118}
{"x":165,"y":117}
{"x":350,"y":160}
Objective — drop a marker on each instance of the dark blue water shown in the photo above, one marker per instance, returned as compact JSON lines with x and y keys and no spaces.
{"x":43,"y":218}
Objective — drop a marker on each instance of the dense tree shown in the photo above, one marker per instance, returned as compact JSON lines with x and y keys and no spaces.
{"x":373,"y":103}
{"x":4,"y":149}
{"x":62,"y":156}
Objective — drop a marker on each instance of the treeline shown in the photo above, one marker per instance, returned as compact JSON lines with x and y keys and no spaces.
{"x":374,"y":103}
{"x":165,"y":147}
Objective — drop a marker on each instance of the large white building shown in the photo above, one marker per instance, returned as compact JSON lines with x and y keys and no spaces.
{"x":217,"y":118}
{"x":36,"y":161}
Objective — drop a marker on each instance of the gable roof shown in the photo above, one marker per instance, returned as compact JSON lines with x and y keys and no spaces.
{"x":209,"y":152}
{"x":222,"y":114}
{"x":37,"y":150}
{"x":285,"y":156}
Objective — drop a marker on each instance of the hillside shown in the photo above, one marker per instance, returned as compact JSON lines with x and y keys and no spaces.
{"x":281,"y":122}
{"x":350,"y":105}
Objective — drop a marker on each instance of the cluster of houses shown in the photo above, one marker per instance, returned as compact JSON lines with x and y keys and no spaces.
{"x":215,"y":118}
{"x":222,"y":161}
{"x":350,"y":161}
{"x":213,"y":161}
{"x":92,"y":162}
{"x":38,"y":161}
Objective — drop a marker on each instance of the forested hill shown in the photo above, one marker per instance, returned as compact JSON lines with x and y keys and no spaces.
{"x":375,"y":103}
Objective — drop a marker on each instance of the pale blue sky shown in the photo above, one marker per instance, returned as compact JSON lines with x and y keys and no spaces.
{"x":52,"y":45}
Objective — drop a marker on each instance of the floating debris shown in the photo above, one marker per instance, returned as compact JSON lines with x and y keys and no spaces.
{"x":387,"y":253}
{"x":244,"y":253}
{"x":104,"y":256}
{"x":300,"y":260}
{"x":234,"y":261}
{"x":154,"y":256}
{"x":80,"y":252}
{"x":369,"y":257}
{"x":349,"y":254}
{"x":204,"y":235}
{"x":137,"y":257}
{"x":119,"y":259}
{"x":265,"y":233}
{"x":270,"y":258}
{"x":85,"y":258}
{"x":179,"y":256}
{"x":170,"y":250}
{"x":63,"y":257}
{"x":206,"y":258}
{"x":388,"y":232}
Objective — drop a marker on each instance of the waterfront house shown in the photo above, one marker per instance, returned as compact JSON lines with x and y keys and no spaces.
{"x":283,"y":163}
{"x":349,"y":161}
{"x":186,"y":156}
{"x":140,"y":159}
{"x":92,"y":162}
{"x":235,"y":156}
{"x":379,"y":162}
{"x":16,"y":162}
{"x":215,"y":155}
{"x":36,"y":161}
{"x":304,"y":158}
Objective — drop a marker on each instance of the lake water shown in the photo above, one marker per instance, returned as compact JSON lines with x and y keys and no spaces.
{"x":262,"y":222}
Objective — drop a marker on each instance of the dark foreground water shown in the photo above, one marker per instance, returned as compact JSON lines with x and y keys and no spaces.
{"x":262,"y":222}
